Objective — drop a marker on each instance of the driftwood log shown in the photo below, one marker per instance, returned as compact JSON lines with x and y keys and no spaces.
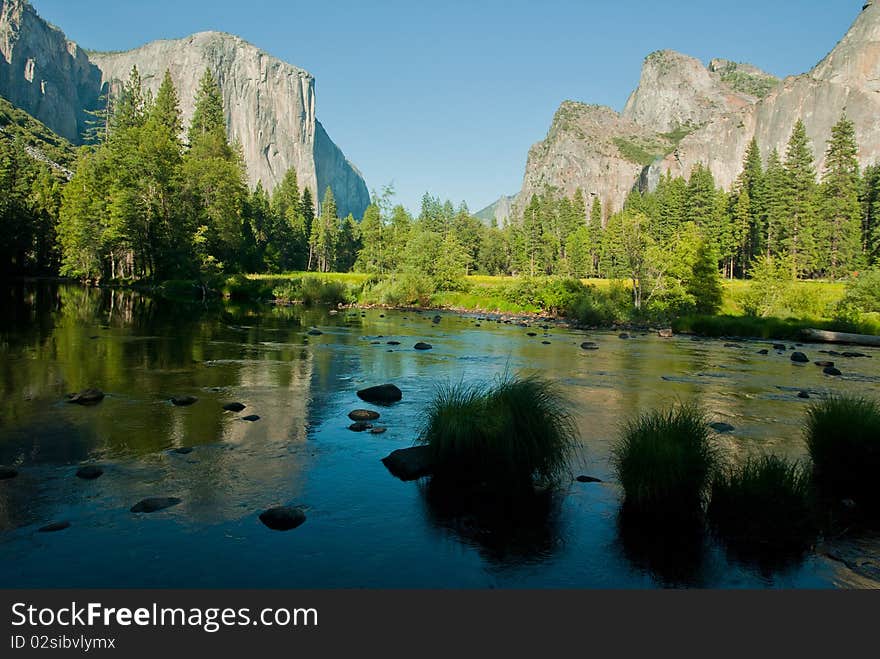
{"x":822,"y":336}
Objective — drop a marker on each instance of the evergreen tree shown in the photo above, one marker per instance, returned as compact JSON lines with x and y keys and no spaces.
{"x":325,"y":234}
{"x":776,"y":205}
{"x":798,"y":226}
{"x":840,"y":207}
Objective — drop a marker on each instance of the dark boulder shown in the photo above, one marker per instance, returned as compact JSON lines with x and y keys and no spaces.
{"x":764,"y":352}
{"x":624,"y":336}
{"x":360,"y":426}
{"x":804,"y":394}
{"x":854,"y":355}
{"x":832,"y":371}
{"x":531,"y":334}
{"x":589,"y":345}
{"x":155,"y":504}
{"x":54,"y":527}
{"x":363,"y":415}
{"x":800,"y":358}
{"x":315,"y":332}
{"x":409,"y":464}
{"x":87,"y":397}
{"x":283,"y":518}
{"x":183,"y":450}
{"x":722,"y":427}
{"x":234,"y":407}
{"x":184,"y":401}
{"x":89,"y":472}
{"x":780,"y":346}
{"x":423,"y":346}
{"x":251,"y":418}
{"x":588,"y":479}
{"x":394,"y":343}
{"x":7,"y":473}
{"x":384,"y":394}
{"x":546,"y":343}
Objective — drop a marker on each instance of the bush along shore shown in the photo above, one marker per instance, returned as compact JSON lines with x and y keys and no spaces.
{"x":587,"y":304}
{"x":515,"y":439}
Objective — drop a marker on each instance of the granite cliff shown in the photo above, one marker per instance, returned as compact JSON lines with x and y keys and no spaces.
{"x":684,"y":112}
{"x":270,"y":105}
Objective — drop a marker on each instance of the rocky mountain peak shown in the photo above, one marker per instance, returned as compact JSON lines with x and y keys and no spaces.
{"x":855,"y":61}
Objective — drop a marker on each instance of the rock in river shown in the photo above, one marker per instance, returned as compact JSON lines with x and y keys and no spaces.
{"x":283,"y":518}
{"x":830,"y":370}
{"x":722,"y":427}
{"x":588,"y":479}
{"x":250,"y":417}
{"x":154,"y":504}
{"x":800,"y":358}
{"x":410,"y":464}
{"x":315,"y":332}
{"x":360,"y":426}
{"x":87,"y":397}
{"x":89,"y":472}
{"x":54,"y":527}
{"x":234,"y":407}
{"x":589,"y":345}
{"x":7,"y":473}
{"x":363,"y":415}
{"x":380,"y":430}
{"x":184,"y":401}
{"x":384,"y":394}
{"x":423,"y":346}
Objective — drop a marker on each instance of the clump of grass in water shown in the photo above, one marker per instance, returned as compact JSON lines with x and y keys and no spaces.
{"x":843,"y":438}
{"x":503,"y":434}
{"x":764,"y":504}
{"x":665,"y":460}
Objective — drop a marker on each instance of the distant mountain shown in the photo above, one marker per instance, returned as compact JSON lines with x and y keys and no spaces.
{"x":684,"y":113}
{"x":40,"y":142}
{"x":499,"y":212}
{"x":270,"y":105}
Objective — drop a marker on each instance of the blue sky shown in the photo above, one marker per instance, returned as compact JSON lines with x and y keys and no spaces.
{"x":448,"y":96}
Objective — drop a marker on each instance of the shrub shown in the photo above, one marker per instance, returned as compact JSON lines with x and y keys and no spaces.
{"x":665,"y":460}
{"x":405,"y":289}
{"x":503,"y":433}
{"x":312,"y":290}
{"x":862,"y":296}
{"x":765,"y":503}
{"x":843,"y":438}
{"x":239,"y":287}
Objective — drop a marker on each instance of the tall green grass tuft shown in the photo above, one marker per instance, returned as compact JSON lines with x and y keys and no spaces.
{"x":764,"y":504}
{"x":843,"y":438}
{"x":504,"y":434}
{"x":665,"y":460}
{"x":313,"y":290}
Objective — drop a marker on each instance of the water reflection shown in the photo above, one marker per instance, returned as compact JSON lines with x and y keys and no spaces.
{"x":507,"y":530}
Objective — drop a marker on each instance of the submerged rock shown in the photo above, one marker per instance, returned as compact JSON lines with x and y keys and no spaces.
{"x":423,"y":346}
{"x":363,"y":415}
{"x":7,"y":473}
{"x":722,"y":427}
{"x":87,"y":397}
{"x":825,"y":364}
{"x":54,"y":527}
{"x":384,"y":394}
{"x":283,"y":518}
{"x":184,"y":401}
{"x":800,"y":358}
{"x":250,"y":417}
{"x":589,"y":345}
{"x":183,"y":450}
{"x":830,"y":370}
{"x":378,"y":431}
{"x":409,"y":464}
{"x":234,"y":407}
{"x":854,"y":355}
{"x":315,"y":332}
{"x":780,"y":346}
{"x":393,"y":343}
{"x":546,"y":343}
{"x":764,"y":352}
{"x":532,"y":334}
{"x":624,"y":336}
{"x":360,"y":426}
{"x":89,"y":472}
{"x":588,"y":479}
{"x":155,"y":504}
{"x":804,"y":394}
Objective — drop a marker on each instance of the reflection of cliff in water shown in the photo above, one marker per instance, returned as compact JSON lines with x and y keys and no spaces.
{"x":141,"y":352}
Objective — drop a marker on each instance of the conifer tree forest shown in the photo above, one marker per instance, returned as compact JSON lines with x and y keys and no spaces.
{"x":151,"y":199}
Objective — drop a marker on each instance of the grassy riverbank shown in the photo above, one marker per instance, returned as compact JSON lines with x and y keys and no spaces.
{"x":589,"y":303}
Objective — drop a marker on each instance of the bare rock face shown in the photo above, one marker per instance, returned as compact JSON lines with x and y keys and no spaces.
{"x":43,"y":73}
{"x":688,"y":113}
{"x":270,"y":105}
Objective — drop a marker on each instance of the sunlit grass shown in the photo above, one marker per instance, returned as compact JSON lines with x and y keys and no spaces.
{"x":665,"y":460}
{"x":504,"y":433}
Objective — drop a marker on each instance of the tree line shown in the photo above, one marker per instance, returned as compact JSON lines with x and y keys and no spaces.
{"x":152,"y":199}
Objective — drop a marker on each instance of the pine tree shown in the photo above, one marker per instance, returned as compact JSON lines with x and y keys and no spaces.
{"x":752,"y":181}
{"x":840,"y":207}
{"x":325,"y":232}
{"x":799,"y":224}
{"x":776,"y":205}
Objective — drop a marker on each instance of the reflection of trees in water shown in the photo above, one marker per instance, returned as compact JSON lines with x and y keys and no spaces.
{"x":507,"y":530}
{"x":673,"y":552}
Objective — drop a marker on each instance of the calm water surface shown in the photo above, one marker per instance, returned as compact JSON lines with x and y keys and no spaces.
{"x":364,"y":528}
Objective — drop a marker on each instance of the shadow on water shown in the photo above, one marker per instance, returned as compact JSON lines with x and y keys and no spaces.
{"x":673,"y":552}
{"x":507,"y":530}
